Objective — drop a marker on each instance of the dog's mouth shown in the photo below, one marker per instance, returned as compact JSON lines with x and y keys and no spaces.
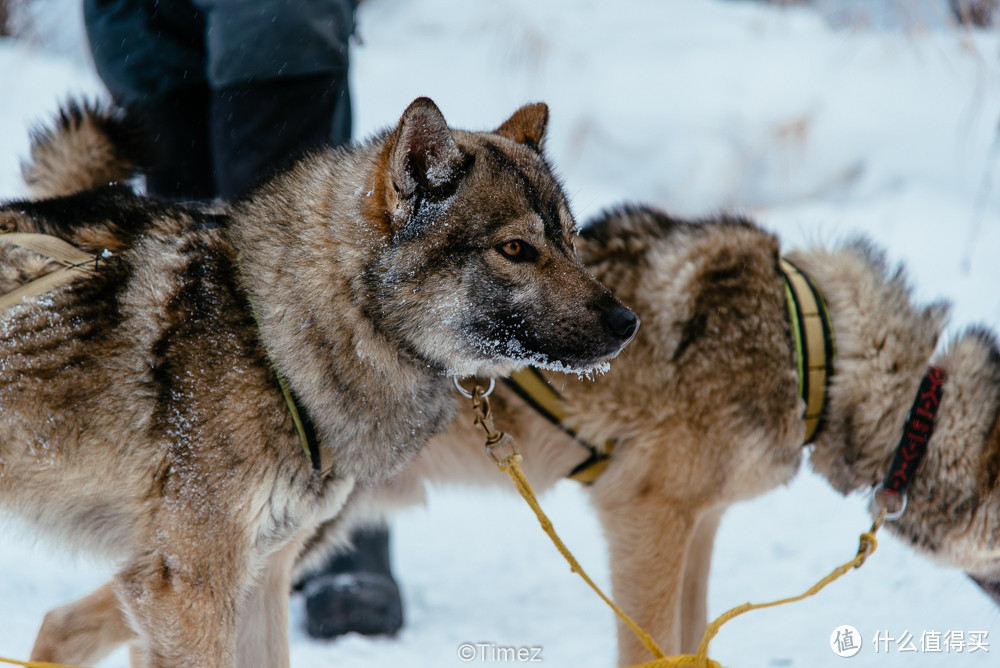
{"x":567,"y":349}
{"x":990,"y":587}
{"x":597,"y":362}
{"x":617,"y":330}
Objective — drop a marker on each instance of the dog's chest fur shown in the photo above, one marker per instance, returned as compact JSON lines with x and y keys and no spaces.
{"x":374,"y":401}
{"x":149,"y":387}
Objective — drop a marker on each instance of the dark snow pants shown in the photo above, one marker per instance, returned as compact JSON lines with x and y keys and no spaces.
{"x":227,"y":90}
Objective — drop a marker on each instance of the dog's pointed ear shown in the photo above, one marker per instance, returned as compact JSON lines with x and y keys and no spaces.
{"x":424,"y":155}
{"x":527,"y":125}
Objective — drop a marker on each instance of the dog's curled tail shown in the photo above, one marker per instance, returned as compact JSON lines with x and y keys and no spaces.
{"x":89,"y":144}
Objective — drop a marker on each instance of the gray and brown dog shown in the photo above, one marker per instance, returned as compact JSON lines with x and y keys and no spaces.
{"x":703,"y":409}
{"x":156,"y":407}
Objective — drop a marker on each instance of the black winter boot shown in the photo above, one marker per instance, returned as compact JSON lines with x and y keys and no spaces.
{"x":260,"y":126}
{"x":355,"y":591}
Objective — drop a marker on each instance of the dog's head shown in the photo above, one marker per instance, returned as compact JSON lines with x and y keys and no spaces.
{"x":476,"y":272}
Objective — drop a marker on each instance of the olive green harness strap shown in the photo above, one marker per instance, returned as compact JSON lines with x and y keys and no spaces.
{"x":303,"y":425}
{"x":300,"y":417}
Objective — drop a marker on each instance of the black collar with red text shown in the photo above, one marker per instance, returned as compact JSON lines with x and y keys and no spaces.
{"x":916,"y":434}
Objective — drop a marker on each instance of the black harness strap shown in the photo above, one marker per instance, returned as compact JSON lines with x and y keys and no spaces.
{"x":916,"y":434}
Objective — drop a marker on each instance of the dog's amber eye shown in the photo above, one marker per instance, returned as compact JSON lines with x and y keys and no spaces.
{"x":516,"y":250}
{"x":512,"y":248}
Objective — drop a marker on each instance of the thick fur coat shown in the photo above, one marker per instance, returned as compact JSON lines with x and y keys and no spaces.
{"x":704,"y":411}
{"x":143,"y":416}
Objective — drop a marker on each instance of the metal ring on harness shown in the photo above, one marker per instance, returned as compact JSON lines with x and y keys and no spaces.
{"x":879,"y":506}
{"x":468,"y":395}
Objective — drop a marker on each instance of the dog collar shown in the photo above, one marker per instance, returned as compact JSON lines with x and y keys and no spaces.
{"x":812,"y":335}
{"x":916,"y":434}
{"x":531,"y":386}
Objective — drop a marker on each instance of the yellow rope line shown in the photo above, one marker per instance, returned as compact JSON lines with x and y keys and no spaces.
{"x":866,"y":548}
{"x":511,"y":464}
{"x":35,"y":664}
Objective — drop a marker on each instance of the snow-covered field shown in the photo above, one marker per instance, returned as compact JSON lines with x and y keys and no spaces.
{"x":885,"y":124}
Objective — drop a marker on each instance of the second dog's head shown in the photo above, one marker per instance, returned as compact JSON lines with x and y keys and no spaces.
{"x":477,"y":271}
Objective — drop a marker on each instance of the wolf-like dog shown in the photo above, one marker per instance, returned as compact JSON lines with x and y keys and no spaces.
{"x":213,"y":386}
{"x":704,"y":410}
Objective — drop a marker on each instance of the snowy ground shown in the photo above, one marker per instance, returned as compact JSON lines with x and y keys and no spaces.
{"x":884,"y":125}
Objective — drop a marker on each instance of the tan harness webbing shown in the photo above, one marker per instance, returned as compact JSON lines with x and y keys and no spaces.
{"x":73,"y":260}
{"x":812,"y":335}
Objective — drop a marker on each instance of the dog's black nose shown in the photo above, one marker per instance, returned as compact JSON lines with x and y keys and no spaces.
{"x":623,"y":322}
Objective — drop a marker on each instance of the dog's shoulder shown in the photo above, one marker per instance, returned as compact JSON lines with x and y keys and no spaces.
{"x":715,"y":324}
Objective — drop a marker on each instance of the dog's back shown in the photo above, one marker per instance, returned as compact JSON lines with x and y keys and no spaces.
{"x":78,"y":177}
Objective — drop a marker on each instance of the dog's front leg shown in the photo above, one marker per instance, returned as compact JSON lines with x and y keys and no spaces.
{"x":647,"y":560}
{"x":185,"y":613}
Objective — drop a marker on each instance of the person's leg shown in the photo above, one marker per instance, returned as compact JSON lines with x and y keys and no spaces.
{"x":260,"y":126}
{"x":179,"y":164}
{"x":278,"y":74}
{"x":151,"y":58}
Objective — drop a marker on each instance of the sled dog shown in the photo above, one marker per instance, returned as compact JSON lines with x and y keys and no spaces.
{"x":206,"y":389}
{"x":704,"y":409}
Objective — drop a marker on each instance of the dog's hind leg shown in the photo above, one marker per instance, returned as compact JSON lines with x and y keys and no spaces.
{"x":694,"y":595}
{"x":82,"y":632}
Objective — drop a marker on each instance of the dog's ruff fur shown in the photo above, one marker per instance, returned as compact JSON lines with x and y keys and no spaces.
{"x":142,"y":414}
{"x":704,"y":409}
